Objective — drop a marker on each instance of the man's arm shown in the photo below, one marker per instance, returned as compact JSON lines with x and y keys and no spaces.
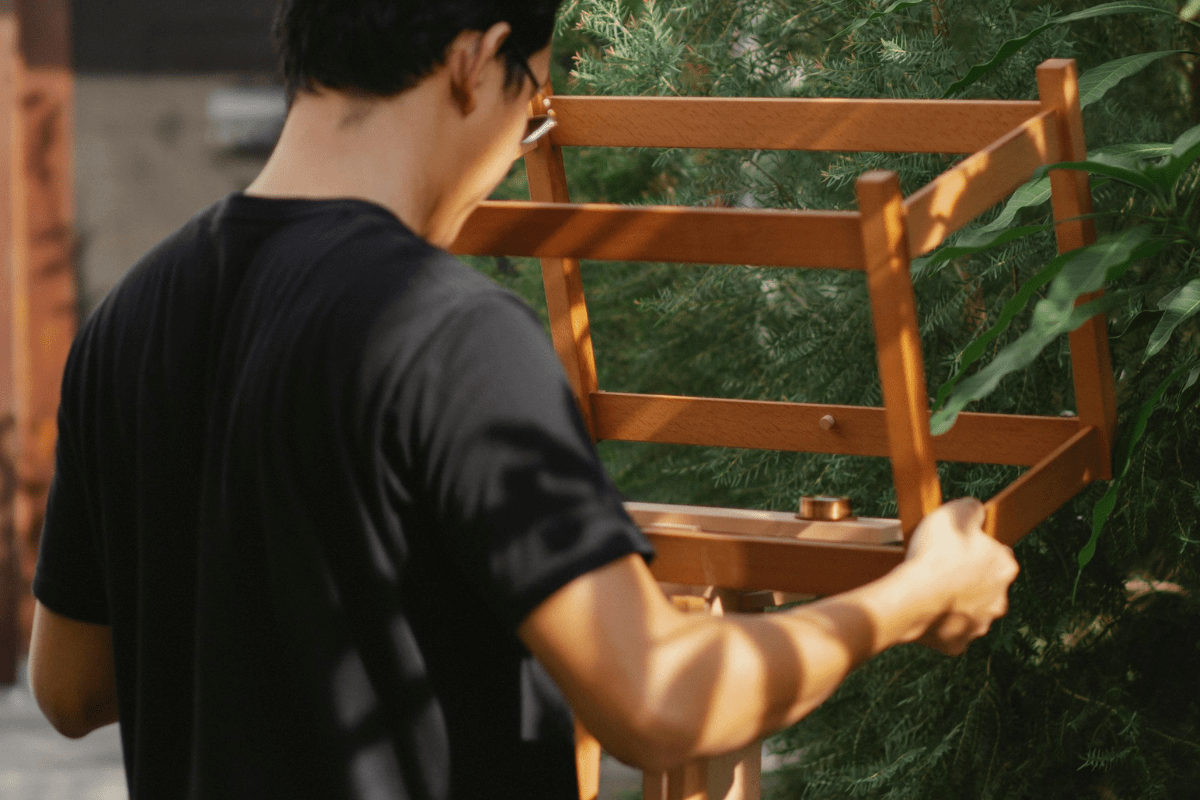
{"x":657,"y":686}
{"x":72,"y":672}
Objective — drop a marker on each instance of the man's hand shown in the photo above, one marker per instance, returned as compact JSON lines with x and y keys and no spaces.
{"x":972,"y":569}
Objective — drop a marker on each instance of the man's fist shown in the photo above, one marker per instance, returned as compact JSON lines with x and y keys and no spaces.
{"x":970,"y":569}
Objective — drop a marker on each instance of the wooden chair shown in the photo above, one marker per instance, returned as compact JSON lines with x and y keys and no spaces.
{"x":743,"y":551}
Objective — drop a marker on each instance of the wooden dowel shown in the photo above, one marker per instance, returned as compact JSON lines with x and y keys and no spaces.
{"x":798,"y":427}
{"x":960,"y":194}
{"x":831,"y":124}
{"x":1043,"y":489}
{"x":759,"y":237}
{"x":1091,"y":362}
{"x":898,"y":347}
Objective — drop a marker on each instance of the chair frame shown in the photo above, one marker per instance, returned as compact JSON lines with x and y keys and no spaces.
{"x":1005,"y":143}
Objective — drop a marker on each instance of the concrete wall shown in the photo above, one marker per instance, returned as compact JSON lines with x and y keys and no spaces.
{"x":143,"y":168}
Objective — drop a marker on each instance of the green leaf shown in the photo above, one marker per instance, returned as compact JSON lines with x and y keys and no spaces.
{"x":1037,"y":191}
{"x":1178,"y":307}
{"x":1123,"y":169}
{"x":1081,"y":272}
{"x":1136,"y":150}
{"x":1192,"y":9}
{"x":975,"y":350}
{"x":1107,"y":9}
{"x":1184,"y":153}
{"x":1013,"y":46}
{"x":1104,"y":507}
{"x":1034,"y":193}
{"x":1096,"y":82}
{"x":900,"y":5}
{"x":971,"y":243}
{"x":1006,"y":51}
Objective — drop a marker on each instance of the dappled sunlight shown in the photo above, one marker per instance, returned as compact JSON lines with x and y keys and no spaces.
{"x":964,"y":192}
{"x":607,"y":232}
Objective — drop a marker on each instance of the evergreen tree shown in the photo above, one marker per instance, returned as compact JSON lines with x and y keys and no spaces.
{"x":1091,"y":686}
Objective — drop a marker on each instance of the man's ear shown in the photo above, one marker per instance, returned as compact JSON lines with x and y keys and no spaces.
{"x":468,"y":60}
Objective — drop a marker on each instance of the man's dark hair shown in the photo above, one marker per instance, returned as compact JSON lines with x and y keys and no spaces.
{"x":383,"y":47}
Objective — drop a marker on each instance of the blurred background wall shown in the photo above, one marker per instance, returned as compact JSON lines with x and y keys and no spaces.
{"x":161,"y":88}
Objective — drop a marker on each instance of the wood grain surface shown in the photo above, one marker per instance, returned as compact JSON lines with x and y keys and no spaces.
{"x":880,"y":125}
{"x":762,"y":237}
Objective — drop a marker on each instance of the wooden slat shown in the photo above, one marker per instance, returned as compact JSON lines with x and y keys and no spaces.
{"x":781,"y":524}
{"x":561,"y":277}
{"x":760,"y":562}
{"x":904,"y":126}
{"x":11,"y":583}
{"x":898,"y":346}
{"x":760,"y":237}
{"x":960,"y":194}
{"x":1043,"y":489}
{"x":795,"y":427}
{"x":1091,"y":362}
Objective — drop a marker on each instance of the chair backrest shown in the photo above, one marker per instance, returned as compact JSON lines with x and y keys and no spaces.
{"x":1007,"y":141}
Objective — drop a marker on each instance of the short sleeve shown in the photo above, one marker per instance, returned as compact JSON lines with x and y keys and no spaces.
{"x":69,"y":579}
{"x":518,"y":487}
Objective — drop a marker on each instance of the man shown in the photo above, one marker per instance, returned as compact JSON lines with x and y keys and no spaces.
{"x":325,"y":521}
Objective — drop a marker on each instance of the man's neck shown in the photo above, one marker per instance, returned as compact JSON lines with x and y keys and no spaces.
{"x":337,"y":146}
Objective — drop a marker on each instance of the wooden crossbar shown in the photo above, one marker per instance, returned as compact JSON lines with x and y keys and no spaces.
{"x":760,"y":237}
{"x":830,"y":124}
{"x":796,"y":427}
{"x":746,"y":562}
{"x":960,"y":194}
{"x":1043,"y":489}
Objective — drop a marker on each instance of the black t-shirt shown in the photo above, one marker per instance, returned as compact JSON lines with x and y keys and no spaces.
{"x":314,"y":472}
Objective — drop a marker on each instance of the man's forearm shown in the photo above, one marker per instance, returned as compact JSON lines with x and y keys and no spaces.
{"x":657,"y":686}
{"x":72,"y":673}
{"x":726,"y":682}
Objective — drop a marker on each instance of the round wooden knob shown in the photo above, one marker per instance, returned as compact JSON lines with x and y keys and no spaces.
{"x":825,"y":508}
{"x":827,"y":422}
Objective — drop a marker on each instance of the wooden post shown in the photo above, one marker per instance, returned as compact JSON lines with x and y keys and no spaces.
{"x":898,"y":347}
{"x":45,"y":288}
{"x":565,"y":302}
{"x":1091,"y":363}
{"x":11,"y":585}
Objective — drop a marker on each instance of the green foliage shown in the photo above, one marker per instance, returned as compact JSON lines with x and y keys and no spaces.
{"x":1090,"y":687}
{"x":1012,"y":46}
